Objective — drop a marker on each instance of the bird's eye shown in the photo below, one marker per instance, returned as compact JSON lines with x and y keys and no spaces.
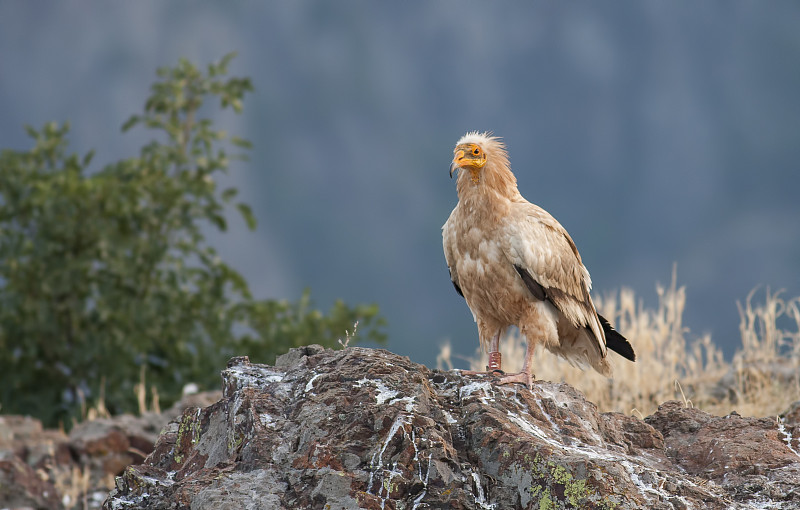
{"x":476,"y":151}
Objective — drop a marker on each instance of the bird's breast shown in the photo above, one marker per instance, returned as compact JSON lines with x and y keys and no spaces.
{"x":491,"y":286}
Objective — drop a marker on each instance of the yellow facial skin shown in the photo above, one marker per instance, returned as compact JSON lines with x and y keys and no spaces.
{"x":469,"y":156}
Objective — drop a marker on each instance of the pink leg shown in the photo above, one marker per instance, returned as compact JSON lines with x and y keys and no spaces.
{"x":495,"y":359}
{"x":525,"y":376}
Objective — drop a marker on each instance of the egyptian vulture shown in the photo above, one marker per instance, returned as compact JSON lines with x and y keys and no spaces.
{"x":515,"y":265}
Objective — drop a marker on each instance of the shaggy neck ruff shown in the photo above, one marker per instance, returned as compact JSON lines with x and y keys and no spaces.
{"x":495,"y":186}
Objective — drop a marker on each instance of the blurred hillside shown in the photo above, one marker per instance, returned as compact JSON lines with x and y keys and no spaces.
{"x":655,"y":132}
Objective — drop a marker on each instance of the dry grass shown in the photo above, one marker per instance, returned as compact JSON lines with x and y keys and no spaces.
{"x":140,"y":389}
{"x":767,"y":367}
{"x":98,"y":410}
{"x":762,"y":379}
{"x":75,"y":483}
{"x":348,"y":336}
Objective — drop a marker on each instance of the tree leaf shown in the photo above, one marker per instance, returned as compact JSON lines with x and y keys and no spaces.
{"x":87,"y":158}
{"x":132,"y":121}
{"x":247,"y":214}
{"x":241,"y":142}
{"x":229,"y":193}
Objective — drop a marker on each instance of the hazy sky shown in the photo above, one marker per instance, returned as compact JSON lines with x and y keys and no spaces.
{"x":656,"y":132}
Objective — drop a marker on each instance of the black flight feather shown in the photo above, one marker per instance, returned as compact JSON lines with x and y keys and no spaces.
{"x":536,"y":289}
{"x":458,"y":289}
{"x":615,"y":341}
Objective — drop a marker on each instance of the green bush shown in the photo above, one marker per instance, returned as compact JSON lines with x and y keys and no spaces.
{"x":105,"y":272}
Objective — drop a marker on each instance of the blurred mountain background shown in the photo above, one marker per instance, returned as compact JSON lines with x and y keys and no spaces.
{"x":655,"y":132}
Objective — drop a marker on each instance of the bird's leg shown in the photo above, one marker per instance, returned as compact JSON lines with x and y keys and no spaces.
{"x":525,"y":376}
{"x":495,"y":358}
{"x":495,"y":361}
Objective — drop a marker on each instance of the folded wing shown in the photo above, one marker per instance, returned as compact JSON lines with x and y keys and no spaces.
{"x":549,"y":264}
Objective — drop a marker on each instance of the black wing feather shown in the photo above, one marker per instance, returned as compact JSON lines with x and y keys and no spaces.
{"x":458,"y":289}
{"x":615,"y":341}
{"x":535,"y":287}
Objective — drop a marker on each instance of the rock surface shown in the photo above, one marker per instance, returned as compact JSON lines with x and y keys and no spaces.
{"x":361,"y":428}
{"x":48,"y":469}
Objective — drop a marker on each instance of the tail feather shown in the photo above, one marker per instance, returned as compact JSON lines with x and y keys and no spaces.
{"x":615,"y":341}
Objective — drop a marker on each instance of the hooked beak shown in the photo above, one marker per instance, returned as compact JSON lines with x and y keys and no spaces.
{"x":456,"y":164}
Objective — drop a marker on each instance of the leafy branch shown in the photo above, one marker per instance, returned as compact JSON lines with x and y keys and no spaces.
{"x":107,"y":273}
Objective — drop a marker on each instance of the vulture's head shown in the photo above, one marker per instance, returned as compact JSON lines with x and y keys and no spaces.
{"x":475,"y":150}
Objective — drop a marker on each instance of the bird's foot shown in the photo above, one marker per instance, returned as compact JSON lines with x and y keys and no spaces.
{"x":521,"y":378}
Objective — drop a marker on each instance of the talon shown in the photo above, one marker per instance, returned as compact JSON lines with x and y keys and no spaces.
{"x":521,"y":378}
{"x":496,"y":371}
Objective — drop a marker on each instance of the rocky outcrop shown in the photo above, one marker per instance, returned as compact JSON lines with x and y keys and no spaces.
{"x":751,"y":459}
{"x":360,"y":428}
{"x":50,"y":469}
